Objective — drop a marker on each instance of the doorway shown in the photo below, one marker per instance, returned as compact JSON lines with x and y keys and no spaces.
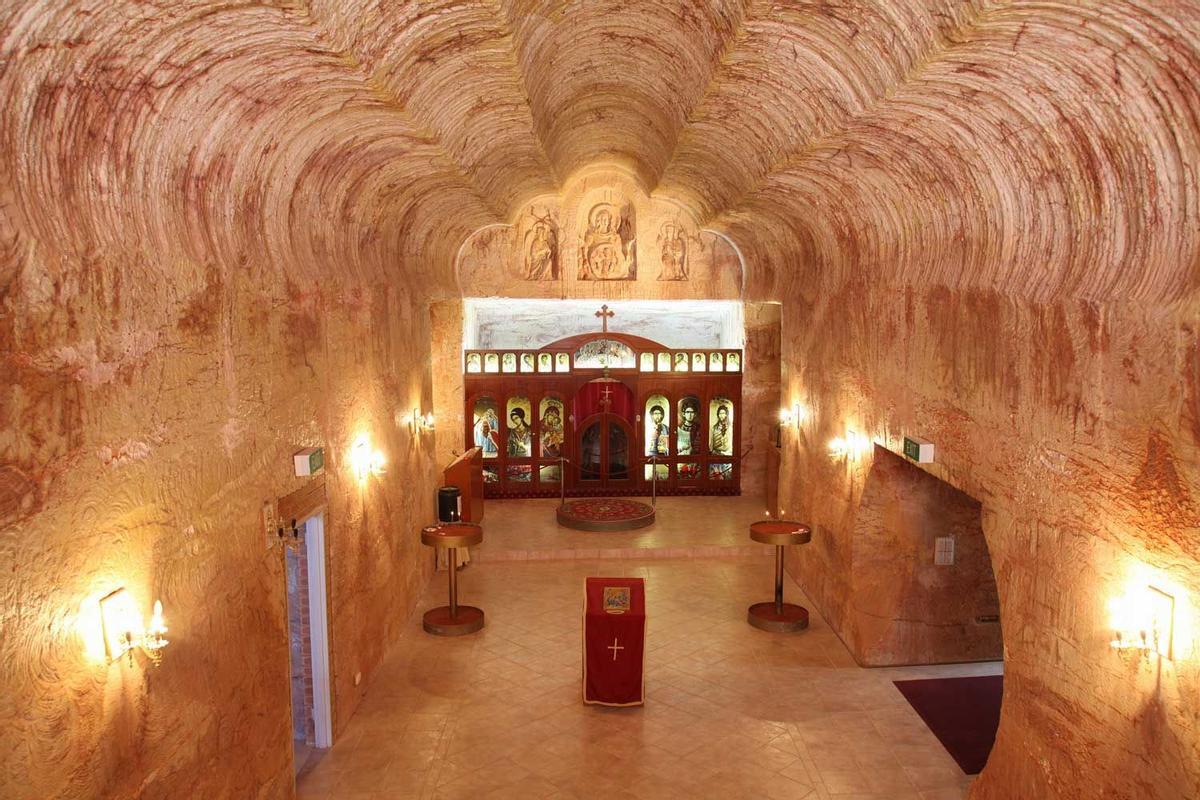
{"x":605,"y":443}
{"x":308,"y":644}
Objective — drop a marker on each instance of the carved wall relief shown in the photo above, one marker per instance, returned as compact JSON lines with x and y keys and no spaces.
{"x":607,"y":246}
{"x":675,"y":249}
{"x":539,"y":247}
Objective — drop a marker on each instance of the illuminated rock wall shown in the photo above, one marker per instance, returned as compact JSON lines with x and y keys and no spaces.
{"x":1077,"y":426}
{"x":221,"y":225}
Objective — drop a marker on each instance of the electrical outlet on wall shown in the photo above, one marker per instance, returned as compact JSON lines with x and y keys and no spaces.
{"x":943,"y":551}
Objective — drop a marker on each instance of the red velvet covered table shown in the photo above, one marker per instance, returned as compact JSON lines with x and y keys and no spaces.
{"x":452,"y":620}
{"x":778,"y":616}
{"x":614,"y":641}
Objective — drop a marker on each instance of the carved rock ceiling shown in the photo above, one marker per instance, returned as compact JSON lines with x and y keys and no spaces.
{"x":1042,"y":148}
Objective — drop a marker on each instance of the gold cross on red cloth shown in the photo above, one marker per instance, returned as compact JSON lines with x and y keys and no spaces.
{"x":615,"y":647}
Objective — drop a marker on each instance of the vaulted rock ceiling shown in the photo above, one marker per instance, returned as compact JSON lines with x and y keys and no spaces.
{"x":1043,"y":148}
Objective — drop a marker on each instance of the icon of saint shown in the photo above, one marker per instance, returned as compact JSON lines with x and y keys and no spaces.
{"x":487,"y":434}
{"x":686,"y":433}
{"x":719,"y":442}
{"x":552,"y":432}
{"x":658,"y":442}
{"x":520,"y":435}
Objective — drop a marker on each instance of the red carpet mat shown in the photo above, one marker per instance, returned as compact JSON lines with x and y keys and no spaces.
{"x":605,"y":514}
{"x":963,"y":714}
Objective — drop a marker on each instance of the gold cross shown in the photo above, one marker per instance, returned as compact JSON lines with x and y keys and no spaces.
{"x":615,"y":647}
{"x":604,"y":314}
{"x":607,"y":395}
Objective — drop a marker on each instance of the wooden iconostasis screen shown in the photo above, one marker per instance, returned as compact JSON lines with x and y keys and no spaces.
{"x":605,"y":414}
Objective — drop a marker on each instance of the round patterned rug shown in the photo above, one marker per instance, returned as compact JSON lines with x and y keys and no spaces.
{"x":605,"y":514}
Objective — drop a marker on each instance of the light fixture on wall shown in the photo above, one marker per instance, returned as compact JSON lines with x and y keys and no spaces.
{"x":792,"y":417}
{"x":789,"y":418}
{"x":851,"y":446}
{"x":365,"y":460}
{"x":1144,"y":620}
{"x":124,"y":629}
{"x":420,"y":423}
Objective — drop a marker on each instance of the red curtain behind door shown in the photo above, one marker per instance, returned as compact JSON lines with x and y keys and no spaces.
{"x":588,"y":400}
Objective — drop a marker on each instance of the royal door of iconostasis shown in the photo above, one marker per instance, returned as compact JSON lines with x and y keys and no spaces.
{"x":605,"y":414}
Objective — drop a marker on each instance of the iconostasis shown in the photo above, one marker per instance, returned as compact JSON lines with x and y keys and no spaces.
{"x":605,"y":414}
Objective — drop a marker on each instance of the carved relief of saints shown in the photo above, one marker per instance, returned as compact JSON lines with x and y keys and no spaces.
{"x":606,"y":249}
{"x":540,"y":250}
{"x":674,"y":244}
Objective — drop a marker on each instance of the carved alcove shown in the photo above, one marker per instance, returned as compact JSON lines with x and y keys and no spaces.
{"x":905,"y":608}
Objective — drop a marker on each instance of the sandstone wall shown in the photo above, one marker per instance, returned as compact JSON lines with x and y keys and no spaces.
{"x":1077,"y":426}
{"x":903,"y":608}
{"x":143,"y":427}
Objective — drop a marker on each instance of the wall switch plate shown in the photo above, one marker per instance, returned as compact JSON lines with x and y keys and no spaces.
{"x":943,"y":551}
{"x":918,"y":449}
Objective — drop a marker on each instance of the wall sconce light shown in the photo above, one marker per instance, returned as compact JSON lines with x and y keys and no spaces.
{"x":365,"y":460}
{"x":124,"y":630}
{"x":792,"y":417}
{"x":851,"y":446}
{"x":419,"y":423}
{"x":1144,"y":620}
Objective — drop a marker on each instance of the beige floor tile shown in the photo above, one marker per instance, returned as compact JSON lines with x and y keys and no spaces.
{"x":731,"y":711}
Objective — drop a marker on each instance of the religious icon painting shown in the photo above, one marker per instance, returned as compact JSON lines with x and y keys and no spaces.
{"x":658,"y":426}
{"x":486,"y":427}
{"x":681,"y":362}
{"x":687,"y":431}
{"x":526,"y":362}
{"x":519,"y":473}
{"x":562,"y":362}
{"x":658,"y":472}
{"x":520,"y":433}
{"x":716,"y":362}
{"x":545,"y":362}
{"x":616,"y":599}
{"x":664,"y":362}
{"x":474,"y":363}
{"x":720,"y":472}
{"x":733,"y":363}
{"x":491,"y":475}
{"x":688,"y":471}
{"x":646,"y":362}
{"x":720,"y":436}
{"x":491,"y":363}
{"x":550,"y":473}
{"x":697,"y":362}
{"x":510,"y":362}
{"x":550,"y":420}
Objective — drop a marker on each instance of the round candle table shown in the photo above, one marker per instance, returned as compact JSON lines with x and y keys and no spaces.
{"x":452,"y":620}
{"x":778,"y":616}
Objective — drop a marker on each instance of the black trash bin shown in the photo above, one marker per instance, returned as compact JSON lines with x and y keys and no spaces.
{"x":449,"y":504}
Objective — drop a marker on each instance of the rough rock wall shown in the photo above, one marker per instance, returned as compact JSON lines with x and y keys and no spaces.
{"x":1077,"y":426}
{"x":199,"y":274}
{"x":760,"y":395}
{"x":145,"y":469}
{"x":903,"y":607}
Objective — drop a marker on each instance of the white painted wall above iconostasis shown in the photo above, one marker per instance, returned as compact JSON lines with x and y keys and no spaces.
{"x":604,"y":237}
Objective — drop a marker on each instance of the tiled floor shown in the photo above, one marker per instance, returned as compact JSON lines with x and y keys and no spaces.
{"x":526,"y":530}
{"x":731,"y":711}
